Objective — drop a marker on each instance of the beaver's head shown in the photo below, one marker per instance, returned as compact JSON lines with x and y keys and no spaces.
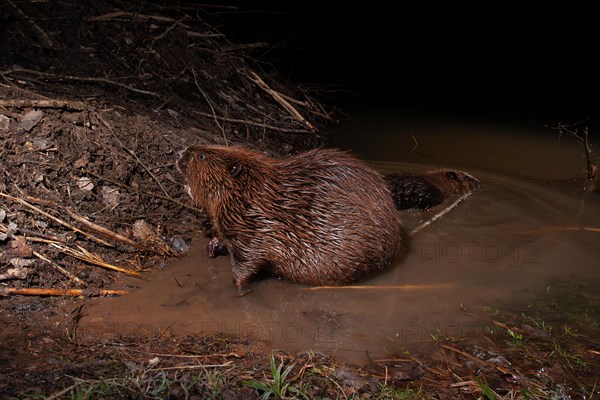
{"x":210,"y":172}
{"x":464,"y":183}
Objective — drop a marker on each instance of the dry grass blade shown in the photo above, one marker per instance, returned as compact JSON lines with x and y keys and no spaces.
{"x":55,"y":219}
{"x":84,"y":255}
{"x":200,"y":366}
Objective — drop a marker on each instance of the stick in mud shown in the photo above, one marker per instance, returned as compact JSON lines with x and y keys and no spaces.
{"x":55,"y":219}
{"x":60,"y":292}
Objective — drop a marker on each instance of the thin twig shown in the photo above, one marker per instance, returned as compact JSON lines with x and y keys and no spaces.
{"x":55,"y":219}
{"x":375,"y":287}
{"x":170,"y":28}
{"x":223,"y":355}
{"x":37,"y":31}
{"x":283,"y":102}
{"x":573,"y":130}
{"x":469,"y":356}
{"x":60,"y":269}
{"x":320,"y":113}
{"x":252,"y":123}
{"x":33,"y":236}
{"x":131,"y":153}
{"x":564,"y":229}
{"x":60,"y":292}
{"x":416,"y":143}
{"x":211,"y":107}
{"x":100,"y":229}
{"x":226,"y":364}
{"x":16,"y":68}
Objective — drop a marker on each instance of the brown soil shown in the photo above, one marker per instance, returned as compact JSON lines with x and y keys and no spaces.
{"x":96,"y":99}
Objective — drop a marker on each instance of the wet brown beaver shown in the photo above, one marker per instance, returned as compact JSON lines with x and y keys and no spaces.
{"x":425,"y":190}
{"x":320,"y":218}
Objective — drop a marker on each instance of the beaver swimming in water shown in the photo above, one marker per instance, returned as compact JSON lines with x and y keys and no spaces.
{"x":428,"y":189}
{"x":322,"y":217}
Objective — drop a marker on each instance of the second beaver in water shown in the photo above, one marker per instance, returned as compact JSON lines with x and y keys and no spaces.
{"x":428,"y":189}
{"x":320,"y":218}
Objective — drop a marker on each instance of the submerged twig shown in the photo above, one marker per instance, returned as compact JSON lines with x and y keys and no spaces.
{"x":564,"y":229}
{"x":439,"y":214}
{"x":375,"y":287}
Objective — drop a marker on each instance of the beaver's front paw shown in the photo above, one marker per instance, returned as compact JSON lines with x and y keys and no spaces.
{"x":216,"y":247}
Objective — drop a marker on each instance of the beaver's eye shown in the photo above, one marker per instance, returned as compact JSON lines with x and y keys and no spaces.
{"x":201,"y":157}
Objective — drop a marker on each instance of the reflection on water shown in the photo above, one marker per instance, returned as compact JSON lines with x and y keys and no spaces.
{"x":522,"y":232}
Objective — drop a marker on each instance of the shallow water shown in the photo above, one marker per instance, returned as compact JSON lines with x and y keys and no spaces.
{"x":519,"y":235}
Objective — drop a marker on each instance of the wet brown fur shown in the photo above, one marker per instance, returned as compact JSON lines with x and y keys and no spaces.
{"x":320,"y":218}
{"x":452,"y":182}
{"x":427,"y":189}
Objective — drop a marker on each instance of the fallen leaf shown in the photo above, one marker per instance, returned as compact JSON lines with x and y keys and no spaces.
{"x":31,"y":119}
{"x":20,"y":262}
{"x":143,"y":230}
{"x":20,"y":247}
{"x":84,"y":183}
{"x":15,"y":273}
{"x":111,"y":196}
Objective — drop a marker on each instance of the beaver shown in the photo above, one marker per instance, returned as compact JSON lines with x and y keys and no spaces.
{"x":322,"y":217}
{"x":427,"y":189}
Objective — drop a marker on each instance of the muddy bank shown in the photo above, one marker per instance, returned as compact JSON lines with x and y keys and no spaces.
{"x":91,"y":122}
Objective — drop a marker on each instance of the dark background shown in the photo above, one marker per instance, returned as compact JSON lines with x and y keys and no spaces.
{"x":504,"y":62}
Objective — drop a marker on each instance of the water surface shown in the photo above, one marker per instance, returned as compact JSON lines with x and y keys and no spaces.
{"x":529,"y":228}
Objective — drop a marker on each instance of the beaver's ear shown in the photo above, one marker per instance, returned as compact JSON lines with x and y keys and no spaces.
{"x":235,"y":168}
{"x":452,"y":175}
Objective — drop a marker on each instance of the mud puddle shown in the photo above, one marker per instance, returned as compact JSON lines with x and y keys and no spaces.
{"x":519,"y":235}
